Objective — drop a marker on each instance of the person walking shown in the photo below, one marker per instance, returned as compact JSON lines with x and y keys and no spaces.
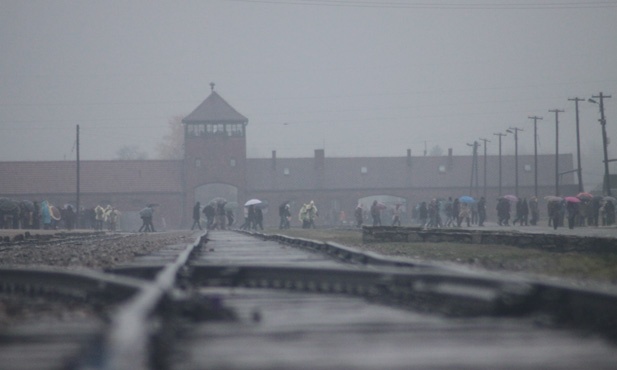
{"x":196,"y":216}
{"x":146,"y":217}
{"x":464,"y":215}
{"x":456,"y":210}
{"x":376,"y":214}
{"x":312,"y":214}
{"x":209,"y":212}
{"x":359,"y":215}
{"x":259,"y":219}
{"x":481,"y":211}
{"x":284,"y":215}
{"x":396,"y":217}
{"x":534,"y":210}
{"x":572,"y":209}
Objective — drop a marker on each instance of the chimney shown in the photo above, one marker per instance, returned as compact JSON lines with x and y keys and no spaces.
{"x":274,"y":159}
{"x":408,"y":157}
{"x":450,"y":159}
{"x":319,"y":158}
{"x":320,"y":168}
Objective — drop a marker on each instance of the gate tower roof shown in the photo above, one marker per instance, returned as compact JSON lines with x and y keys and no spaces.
{"x":214,"y":110}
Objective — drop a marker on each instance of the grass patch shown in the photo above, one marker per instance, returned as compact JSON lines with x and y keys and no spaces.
{"x":577,"y":267}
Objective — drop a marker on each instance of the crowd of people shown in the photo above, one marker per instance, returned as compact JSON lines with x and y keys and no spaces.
{"x":217,"y":214}
{"x":451,"y":213}
{"x":582,"y":210}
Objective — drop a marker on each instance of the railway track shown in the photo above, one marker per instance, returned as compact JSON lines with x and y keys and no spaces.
{"x":237,"y":301}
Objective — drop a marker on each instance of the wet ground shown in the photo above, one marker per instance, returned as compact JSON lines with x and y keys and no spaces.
{"x":296,"y":330}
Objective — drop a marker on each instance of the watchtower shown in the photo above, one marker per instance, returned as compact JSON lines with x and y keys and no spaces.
{"x":214,"y":152}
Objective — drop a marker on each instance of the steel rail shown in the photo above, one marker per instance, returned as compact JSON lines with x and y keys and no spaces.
{"x":429,"y":287}
{"x":86,"y":284}
{"x":127,"y":345}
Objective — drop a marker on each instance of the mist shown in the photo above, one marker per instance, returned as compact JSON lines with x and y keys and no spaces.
{"x":354,"y":78}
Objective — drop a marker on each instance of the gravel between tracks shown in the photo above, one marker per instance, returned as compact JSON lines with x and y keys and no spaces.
{"x":72,"y":251}
{"x":95,"y":251}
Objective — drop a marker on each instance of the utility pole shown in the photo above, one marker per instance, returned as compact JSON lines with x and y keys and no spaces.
{"x":535,"y":153}
{"x":579,"y":171}
{"x":485,"y":141}
{"x":77,"y":223}
{"x":500,"y":134}
{"x":607,"y":179}
{"x":556,"y":111}
{"x":474,"y":169}
{"x":515,"y":131}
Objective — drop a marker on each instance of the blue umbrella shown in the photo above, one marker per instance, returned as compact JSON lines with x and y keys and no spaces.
{"x":466,"y":199}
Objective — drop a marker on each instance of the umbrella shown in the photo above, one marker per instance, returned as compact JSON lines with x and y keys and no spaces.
{"x":511,"y":198}
{"x":612,"y":199}
{"x":55,"y":213}
{"x":466,"y":199}
{"x":252,"y":202}
{"x":553,"y":198}
{"x":572,"y":199}
{"x":262,"y":205}
{"x":584,"y":195}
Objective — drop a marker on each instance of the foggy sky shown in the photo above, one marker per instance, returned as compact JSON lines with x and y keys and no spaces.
{"x":369,"y":78}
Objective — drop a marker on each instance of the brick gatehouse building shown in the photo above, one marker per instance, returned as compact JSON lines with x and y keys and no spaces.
{"x":215,"y":165}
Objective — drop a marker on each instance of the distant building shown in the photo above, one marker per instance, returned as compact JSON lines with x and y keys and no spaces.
{"x":215,"y":165}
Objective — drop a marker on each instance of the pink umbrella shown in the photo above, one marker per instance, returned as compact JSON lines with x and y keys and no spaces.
{"x":572,"y":199}
{"x":511,"y":198}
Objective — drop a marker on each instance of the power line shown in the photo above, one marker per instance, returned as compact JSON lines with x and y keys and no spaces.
{"x":440,"y":6}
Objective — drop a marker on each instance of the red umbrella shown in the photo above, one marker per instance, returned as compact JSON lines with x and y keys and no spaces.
{"x":572,"y":199}
{"x":584,"y":195}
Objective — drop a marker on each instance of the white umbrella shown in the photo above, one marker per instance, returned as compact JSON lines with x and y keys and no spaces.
{"x":252,"y":202}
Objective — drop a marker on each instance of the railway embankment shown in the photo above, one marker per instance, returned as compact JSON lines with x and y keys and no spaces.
{"x":517,"y":238}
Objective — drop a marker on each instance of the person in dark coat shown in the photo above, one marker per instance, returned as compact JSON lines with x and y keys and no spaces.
{"x":251,"y":219}
{"x":557,"y":210}
{"x":284,"y":215}
{"x":519,"y":212}
{"x":221,"y":218}
{"x":209,"y":212}
{"x":456,"y":210}
{"x":376,"y":214}
{"x":359,"y":215}
{"x":196,"y":216}
{"x":146,"y":217}
{"x":503,"y":212}
{"x":572,"y":209}
{"x":609,"y":211}
{"x":481,"y":211}
{"x":259,"y":219}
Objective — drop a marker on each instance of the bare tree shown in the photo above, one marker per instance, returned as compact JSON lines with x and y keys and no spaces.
{"x":131,"y":152}
{"x":172,"y":145}
{"x":436,"y":151}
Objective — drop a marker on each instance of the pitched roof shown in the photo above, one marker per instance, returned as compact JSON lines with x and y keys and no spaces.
{"x":214,"y":110}
{"x":59,"y":177}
